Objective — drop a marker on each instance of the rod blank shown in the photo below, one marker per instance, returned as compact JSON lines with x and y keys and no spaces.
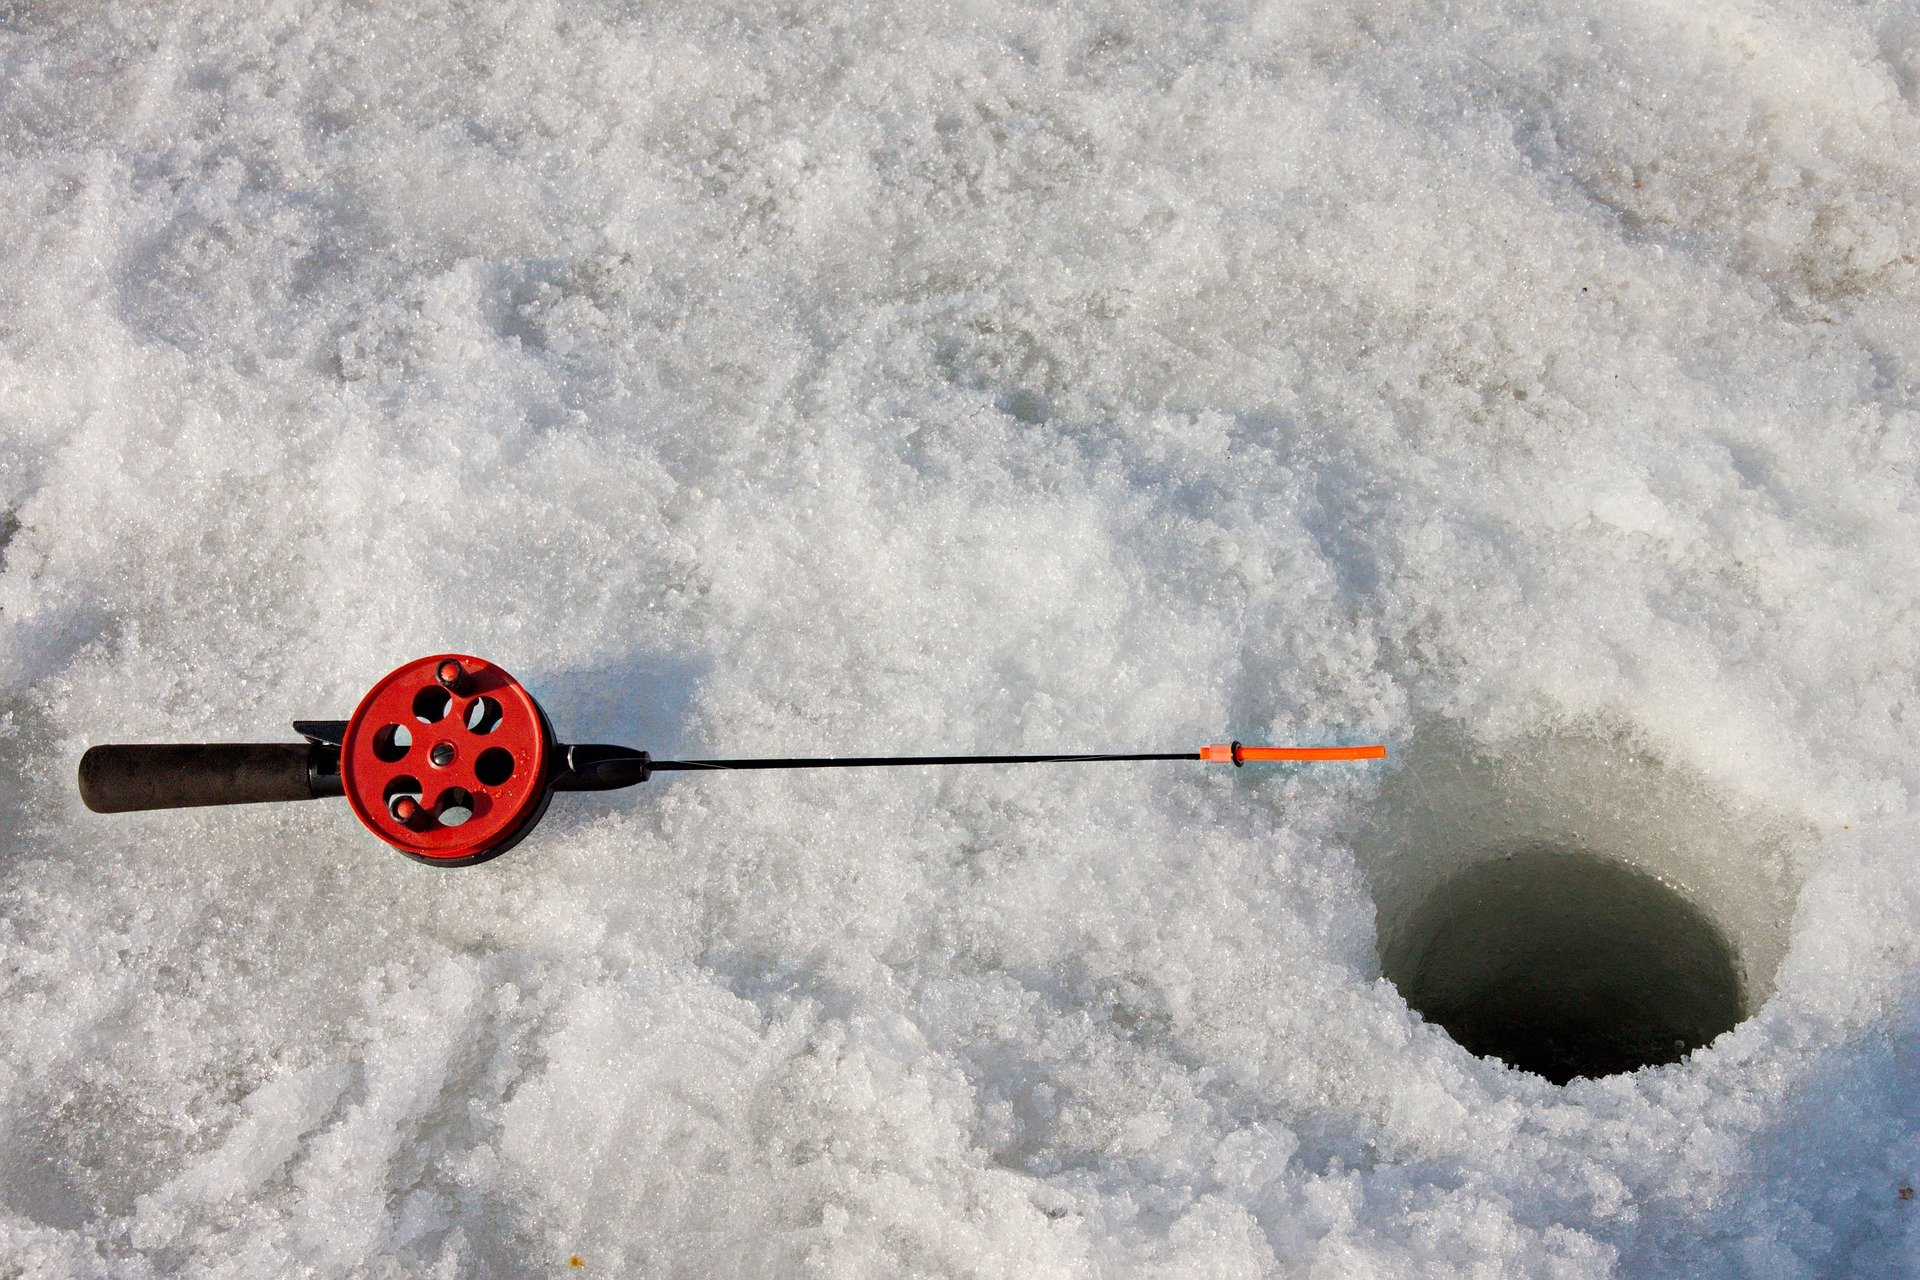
{"x":889,"y":762}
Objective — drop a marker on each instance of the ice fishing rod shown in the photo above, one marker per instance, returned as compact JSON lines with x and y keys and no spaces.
{"x":451,"y":761}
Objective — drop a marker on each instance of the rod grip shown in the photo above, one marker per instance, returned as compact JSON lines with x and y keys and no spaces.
{"x":122,"y":778}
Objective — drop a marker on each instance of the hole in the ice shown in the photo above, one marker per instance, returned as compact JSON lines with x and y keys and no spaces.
{"x":392,"y":742}
{"x":1566,"y":964}
{"x":494,"y":766}
{"x":431,"y":703}
{"x":455,"y":807}
{"x":1573,"y":904}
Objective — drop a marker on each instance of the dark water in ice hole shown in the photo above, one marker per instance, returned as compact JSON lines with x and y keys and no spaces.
{"x":1565,"y":964}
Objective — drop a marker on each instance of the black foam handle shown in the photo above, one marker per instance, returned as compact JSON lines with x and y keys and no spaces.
{"x":120,"y":779}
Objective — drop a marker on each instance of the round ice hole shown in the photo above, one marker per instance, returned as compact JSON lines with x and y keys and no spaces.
{"x":391,"y":743}
{"x":494,"y":766}
{"x":483,"y":715}
{"x":431,"y":703}
{"x":1564,"y":963}
{"x":442,"y":754}
{"x":455,"y":807}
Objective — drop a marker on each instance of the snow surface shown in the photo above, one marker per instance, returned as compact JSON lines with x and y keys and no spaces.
{"x":1516,"y":384}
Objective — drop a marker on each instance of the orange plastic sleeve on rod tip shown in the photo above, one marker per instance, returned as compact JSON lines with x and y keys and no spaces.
{"x":1234,"y":753}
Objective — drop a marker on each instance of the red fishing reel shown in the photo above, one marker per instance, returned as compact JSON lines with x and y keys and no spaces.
{"x":447,"y":759}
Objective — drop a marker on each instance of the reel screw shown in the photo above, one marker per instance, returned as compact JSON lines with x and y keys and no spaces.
{"x":404,"y":809}
{"x":453,"y":677}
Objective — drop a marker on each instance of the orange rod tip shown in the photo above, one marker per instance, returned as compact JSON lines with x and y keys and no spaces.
{"x":1235,"y":753}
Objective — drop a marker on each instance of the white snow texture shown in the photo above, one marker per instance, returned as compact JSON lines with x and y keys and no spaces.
{"x":1531,"y":387}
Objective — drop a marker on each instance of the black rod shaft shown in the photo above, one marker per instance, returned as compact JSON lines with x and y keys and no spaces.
{"x":889,"y":762}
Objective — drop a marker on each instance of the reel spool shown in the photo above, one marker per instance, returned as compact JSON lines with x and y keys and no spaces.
{"x":447,"y":760}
